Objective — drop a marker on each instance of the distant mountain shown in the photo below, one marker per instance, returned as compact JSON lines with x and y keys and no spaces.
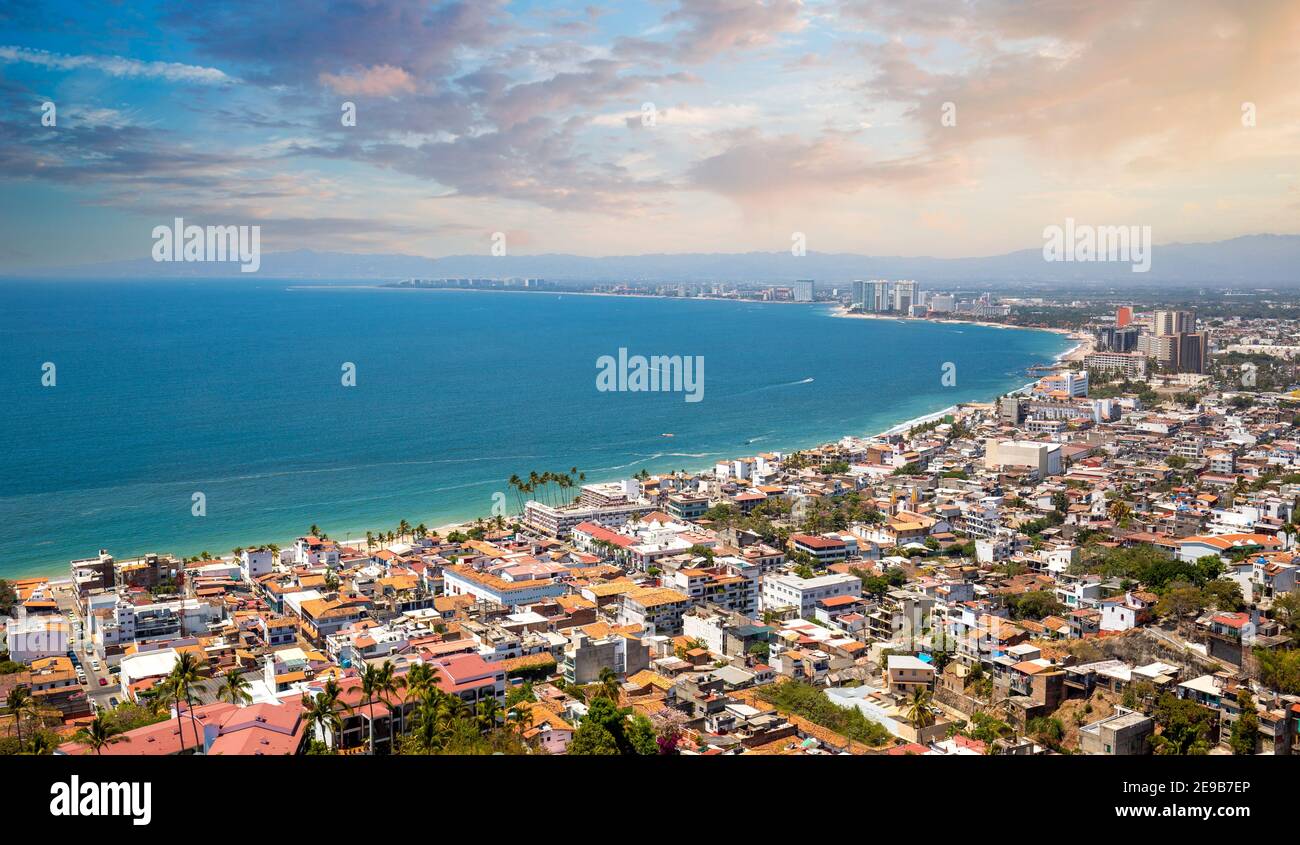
{"x":1256,"y":260}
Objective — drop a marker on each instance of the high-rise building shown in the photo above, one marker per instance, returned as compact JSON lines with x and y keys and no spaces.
{"x":943,"y":303}
{"x":1192,"y":351}
{"x":1116,"y":339}
{"x":1123,"y":316}
{"x":904,"y":295}
{"x":872,"y":295}
{"x":1173,"y":322}
{"x":803,"y":290}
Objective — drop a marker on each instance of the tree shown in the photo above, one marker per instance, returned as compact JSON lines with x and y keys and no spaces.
{"x":1184,"y":725}
{"x":1279,"y":669}
{"x":1034,"y":605}
{"x":378,"y":682}
{"x":607,"y":730}
{"x":609,"y":684}
{"x":234,"y":688}
{"x":1245,"y":731}
{"x":20,"y":703}
{"x":321,"y":712}
{"x":1181,"y":600}
{"x":100,"y":733}
{"x":1224,"y":595}
{"x":1047,"y":730}
{"x":919,"y":712}
{"x":184,"y":675}
{"x":488,"y":713}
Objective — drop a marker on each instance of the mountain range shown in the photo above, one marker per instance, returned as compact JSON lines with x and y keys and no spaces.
{"x":1253,"y":260}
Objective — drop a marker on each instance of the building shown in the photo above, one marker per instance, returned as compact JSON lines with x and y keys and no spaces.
{"x":804,"y":290}
{"x":1174,"y":322}
{"x":658,"y":610}
{"x":254,"y":563}
{"x":586,"y":656}
{"x":905,"y":673}
{"x":785,"y":591}
{"x":560,"y":522}
{"x":1043,"y":457}
{"x":822,"y":549}
{"x":511,"y":590}
{"x":1117,"y":339}
{"x":1124,"y":732}
{"x":905,"y":295}
{"x":1130,"y":364}
{"x":724,"y":632}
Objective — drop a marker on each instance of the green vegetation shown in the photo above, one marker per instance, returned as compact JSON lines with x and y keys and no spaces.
{"x":1245,"y":731}
{"x":806,"y":700}
{"x":1034,"y":605}
{"x":608,"y":730}
{"x":8,"y":598}
{"x":1184,"y":727}
{"x":1279,"y":669}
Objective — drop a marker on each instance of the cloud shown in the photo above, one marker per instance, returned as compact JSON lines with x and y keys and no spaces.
{"x":117,"y":66}
{"x":377,"y":81}
{"x":717,"y":27}
{"x":1149,"y":80}
{"x":755,"y":169}
{"x":284,"y":44}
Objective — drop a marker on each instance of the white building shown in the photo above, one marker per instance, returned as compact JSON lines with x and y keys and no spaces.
{"x":804,"y":593}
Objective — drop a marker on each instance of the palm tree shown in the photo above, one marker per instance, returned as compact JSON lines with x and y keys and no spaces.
{"x":314,"y":530}
{"x":1118,"y":510}
{"x":378,"y":682}
{"x":39,"y":745}
{"x":234,"y":688}
{"x":403,"y":528}
{"x":422,"y":682}
{"x":520,"y":717}
{"x":488,"y":712}
{"x":370,"y":540}
{"x":321,"y":712}
{"x":426,"y":731}
{"x":421,"y":532}
{"x":184,"y":675}
{"x":919,"y":712}
{"x":609,"y":685}
{"x":20,"y":703}
{"x":100,"y":733}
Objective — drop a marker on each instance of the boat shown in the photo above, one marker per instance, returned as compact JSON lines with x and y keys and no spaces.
{"x":668,"y":434}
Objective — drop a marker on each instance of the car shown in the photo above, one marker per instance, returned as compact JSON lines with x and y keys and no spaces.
{"x":103,"y":682}
{"x":94,"y":663}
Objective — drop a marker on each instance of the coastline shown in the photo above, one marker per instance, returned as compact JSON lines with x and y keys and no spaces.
{"x":446,"y":521}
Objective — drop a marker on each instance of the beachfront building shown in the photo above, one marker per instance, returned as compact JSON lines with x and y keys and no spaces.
{"x":560,"y":522}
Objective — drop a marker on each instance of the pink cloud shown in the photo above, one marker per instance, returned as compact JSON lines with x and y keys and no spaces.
{"x":376,"y":81}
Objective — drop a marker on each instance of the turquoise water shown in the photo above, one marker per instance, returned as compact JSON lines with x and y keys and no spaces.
{"x":233,"y":389}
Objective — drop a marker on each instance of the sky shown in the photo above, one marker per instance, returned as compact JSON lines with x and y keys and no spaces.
{"x":897,"y":127}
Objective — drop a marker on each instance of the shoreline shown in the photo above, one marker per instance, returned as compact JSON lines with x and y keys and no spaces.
{"x":443,"y":527}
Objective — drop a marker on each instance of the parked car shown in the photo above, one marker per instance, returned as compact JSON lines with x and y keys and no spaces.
{"x":103,"y":682}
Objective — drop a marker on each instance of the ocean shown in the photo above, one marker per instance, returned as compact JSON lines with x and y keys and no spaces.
{"x":233,"y":389}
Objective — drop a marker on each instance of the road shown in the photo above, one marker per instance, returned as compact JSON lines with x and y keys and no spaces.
{"x":66,"y":599}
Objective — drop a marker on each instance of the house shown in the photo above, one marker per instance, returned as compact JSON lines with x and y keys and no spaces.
{"x":1124,"y":732}
{"x":905,"y":673}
